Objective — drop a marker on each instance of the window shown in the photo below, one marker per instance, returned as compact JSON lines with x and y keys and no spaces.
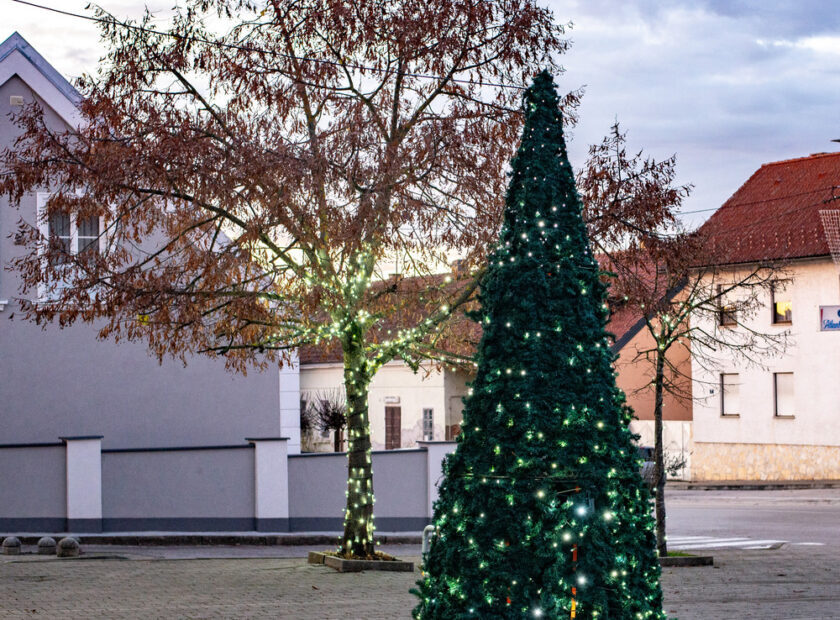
{"x":781,"y":304}
{"x":67,"y":235}
{"x":393,"y":439}
{"x":783,"y":394}
{"x":88,"y":235}
{"x":58,"y":232}
{"x":67,"y":232}
{"x":428,"y":424}
{"x":730,"y":394}
{"x":726,"y":312}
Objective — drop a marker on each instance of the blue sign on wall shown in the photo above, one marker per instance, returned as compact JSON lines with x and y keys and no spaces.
{"x":830,"y":318}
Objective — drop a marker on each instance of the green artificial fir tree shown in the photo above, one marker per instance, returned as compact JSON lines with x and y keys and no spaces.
{"x":543,"y":512}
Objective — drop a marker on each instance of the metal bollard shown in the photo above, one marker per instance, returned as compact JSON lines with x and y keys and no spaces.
{"x":428,"y":532}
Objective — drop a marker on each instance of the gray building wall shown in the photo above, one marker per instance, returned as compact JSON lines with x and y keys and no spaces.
{"x":59,"y":382}
{"x":32,"y":488}
{"x":182,"y":490}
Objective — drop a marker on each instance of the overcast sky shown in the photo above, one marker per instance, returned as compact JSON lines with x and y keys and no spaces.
{"x":725,"y":84}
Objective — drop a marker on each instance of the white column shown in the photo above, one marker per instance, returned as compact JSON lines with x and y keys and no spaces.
{"x":84,"y":483}
{"x":290,"y":403}
{"x":271,"y":483}
{"x":435,"y":453}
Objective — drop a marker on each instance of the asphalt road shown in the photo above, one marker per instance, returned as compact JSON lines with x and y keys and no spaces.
{"x":807,"y":517}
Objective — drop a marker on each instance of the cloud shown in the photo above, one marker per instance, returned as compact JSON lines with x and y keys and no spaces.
{"x":724,"y":85}
{"x":817,"y":44}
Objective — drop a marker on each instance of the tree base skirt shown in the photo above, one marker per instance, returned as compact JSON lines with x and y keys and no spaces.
{"x":355,"y":566}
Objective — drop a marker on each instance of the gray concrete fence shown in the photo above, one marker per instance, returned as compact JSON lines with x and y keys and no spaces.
{"x":76,"y":486}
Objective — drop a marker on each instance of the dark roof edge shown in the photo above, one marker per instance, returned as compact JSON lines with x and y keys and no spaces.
{"x":628,"y":335}
{"x":17,"y":42}
{"x":756,"y":261}
{"x":637,"y":326}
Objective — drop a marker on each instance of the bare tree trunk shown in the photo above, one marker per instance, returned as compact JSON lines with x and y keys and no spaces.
{"x":358,"y":516}
{"x":659,"y":456}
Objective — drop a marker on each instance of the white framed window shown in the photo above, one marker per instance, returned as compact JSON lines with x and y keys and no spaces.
{"x":428,"y":424}
{"x":69,"y":233}
{"x":730,"y":397}
{"x":73,"y":234}
{"x":783,"y":394}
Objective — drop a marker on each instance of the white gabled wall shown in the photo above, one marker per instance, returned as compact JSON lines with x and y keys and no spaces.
{"x":16,"y":64}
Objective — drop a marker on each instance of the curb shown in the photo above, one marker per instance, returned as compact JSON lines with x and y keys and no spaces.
{"x":751,"y":485}
{"x":686,"y":560}
{"x":194,"y":540}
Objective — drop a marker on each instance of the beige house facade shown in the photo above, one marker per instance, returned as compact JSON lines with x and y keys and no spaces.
{"x":635,"y":373}
{"x":404,"y":407}
{"x":778,"y":419}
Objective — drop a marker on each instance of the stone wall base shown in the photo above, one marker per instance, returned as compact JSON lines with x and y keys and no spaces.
{"x":743,"y":461}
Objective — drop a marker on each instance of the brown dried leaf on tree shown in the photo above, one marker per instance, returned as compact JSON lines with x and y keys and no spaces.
{"x":251,"y":182}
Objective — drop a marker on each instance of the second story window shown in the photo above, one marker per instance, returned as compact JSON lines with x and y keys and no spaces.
{"x":726,"y":312}
{"x":88,"y":234}
{"x":60,"y":237}
{"x":69,"y":233}
{"x":781,"y":303}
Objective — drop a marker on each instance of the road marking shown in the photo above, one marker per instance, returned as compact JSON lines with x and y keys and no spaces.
{"x":688,"y":543}
{"x":809,"y":544}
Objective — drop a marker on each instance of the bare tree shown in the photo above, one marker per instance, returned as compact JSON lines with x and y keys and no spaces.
{"x":688,"y":301}
{"x":670,"y":277}
{"x":328,"y":411}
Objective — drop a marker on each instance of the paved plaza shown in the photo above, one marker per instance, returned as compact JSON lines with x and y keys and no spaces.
{"x":777,"y":556}
{"x":790,"y":582}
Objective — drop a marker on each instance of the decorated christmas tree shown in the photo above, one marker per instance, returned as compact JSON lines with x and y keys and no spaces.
{"x":543,"y":512}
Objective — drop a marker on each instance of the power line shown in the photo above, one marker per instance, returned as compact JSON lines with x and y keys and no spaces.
{"x":115,"y":22}
{"x":753,"y":202}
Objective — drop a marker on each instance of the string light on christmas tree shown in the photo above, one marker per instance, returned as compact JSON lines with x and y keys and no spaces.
{"x":550,"y":484}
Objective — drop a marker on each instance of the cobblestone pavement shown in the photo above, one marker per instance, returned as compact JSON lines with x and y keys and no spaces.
{"x":791,"y":583}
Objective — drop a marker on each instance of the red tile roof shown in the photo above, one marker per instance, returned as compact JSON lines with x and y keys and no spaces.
{"x":775,"y":214}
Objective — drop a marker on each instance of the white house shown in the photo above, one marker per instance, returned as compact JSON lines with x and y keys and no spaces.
{"x":780,"y":421}
{"x":407,"y":407}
